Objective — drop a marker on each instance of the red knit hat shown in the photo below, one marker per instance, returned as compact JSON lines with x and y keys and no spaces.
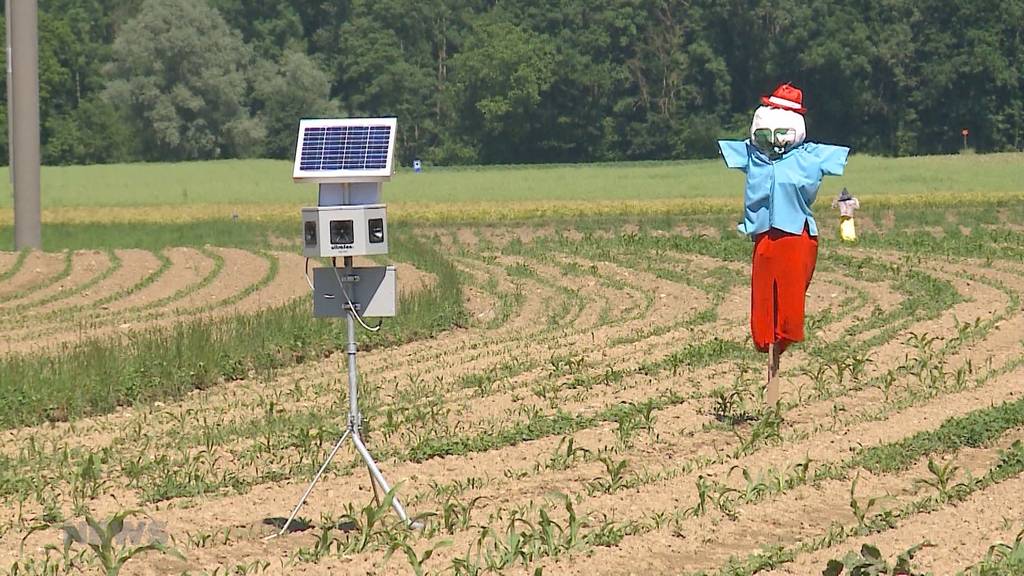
{"x":786,"y":97}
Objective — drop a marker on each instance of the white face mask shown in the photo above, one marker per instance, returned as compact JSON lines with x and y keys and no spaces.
{"x":776,"y":131}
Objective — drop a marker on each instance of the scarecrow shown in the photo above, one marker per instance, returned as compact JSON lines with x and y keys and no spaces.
{"x":783,"y":175}
{"x":847,"y":206}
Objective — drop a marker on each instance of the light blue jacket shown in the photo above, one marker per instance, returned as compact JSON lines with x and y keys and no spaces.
{"x":779,"y":194}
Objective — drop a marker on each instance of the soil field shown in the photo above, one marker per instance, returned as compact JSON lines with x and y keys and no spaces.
{"x":600,"y":414}
{"x":58,"y":299}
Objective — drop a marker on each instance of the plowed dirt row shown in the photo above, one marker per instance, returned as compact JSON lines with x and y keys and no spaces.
{"x":959,"y":535}
{"x":631,"y":504}
{"x":38,"y":270}
{"x":7,"y":262}
{"x":65,"y":312}
{"x":582,"y":340}
{"x":612,"y":317}
{"x":86,"y":267}
{"x":634,"y":392}
{"x":789,"y":519}
{"x":329,"y":370}
{"x":134,"y":266}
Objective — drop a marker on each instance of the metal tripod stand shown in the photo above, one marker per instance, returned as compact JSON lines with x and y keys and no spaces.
{"x":355,"y":421}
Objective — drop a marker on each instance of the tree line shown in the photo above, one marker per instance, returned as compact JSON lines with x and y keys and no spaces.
{"x":522,"y":81}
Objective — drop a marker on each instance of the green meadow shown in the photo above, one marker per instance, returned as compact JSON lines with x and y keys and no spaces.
{"x":256,"y":182}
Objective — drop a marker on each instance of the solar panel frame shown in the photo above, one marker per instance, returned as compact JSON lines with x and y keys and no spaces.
{"x":345,"y":150}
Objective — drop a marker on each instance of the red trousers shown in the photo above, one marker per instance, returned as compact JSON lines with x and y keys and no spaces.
{"x":783,"y":265}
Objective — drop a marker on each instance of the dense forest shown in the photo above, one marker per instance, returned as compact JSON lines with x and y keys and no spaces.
{"x":522,"y":81}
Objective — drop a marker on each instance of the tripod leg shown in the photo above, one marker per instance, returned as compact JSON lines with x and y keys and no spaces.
{"x":380,"y":481}
{"x":313,"y":483}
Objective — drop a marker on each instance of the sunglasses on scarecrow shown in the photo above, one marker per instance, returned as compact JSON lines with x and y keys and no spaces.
{"x":774,"y":142}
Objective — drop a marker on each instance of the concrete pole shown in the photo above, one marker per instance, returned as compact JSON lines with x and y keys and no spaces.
{"x":10,"y":101}
{"x":24,"y":82}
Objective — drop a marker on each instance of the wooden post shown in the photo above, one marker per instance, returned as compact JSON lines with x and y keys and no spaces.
{"x":772,"y":389}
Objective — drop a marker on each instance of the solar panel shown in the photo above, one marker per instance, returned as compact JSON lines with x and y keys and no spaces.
{"x":345,"y":150}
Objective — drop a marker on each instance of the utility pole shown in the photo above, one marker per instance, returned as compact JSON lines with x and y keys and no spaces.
{"x":23,"y":115}
{"x":10,"y":101}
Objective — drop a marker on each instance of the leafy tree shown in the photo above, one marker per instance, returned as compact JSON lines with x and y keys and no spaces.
{"x":270,"y":27}
{"x":593,"y":41}
{"x":74,"y":43}
{"x":93,"y":133}
{"x":521,"y":80}
{"x":971,"y":74}
{"x":285,"y":91}
{"x":680,"y":86}
{"x":376,"y":79}
{"x":499,"y":80}
{"x":179,"y":72}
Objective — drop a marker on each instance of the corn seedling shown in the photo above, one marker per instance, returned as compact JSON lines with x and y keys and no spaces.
{"x":869,"y":562}
{"x":566,"y":454}
{"x":325,"y":542}
{"x":796,"y":475}
{"x":416,"y":559}
{"x":608,"y":533}
{"x":704,"y":488}
{"x":755,"y":489}
{"x":369,"y":524}
{"x":615,"y":479}
{"x":627,"y":425}
{"x":817,"y":374}
{"x":456,"y":515}
{"x":861,"y":510}
{"x":729,"y":406}
{"x":1001,"y":559}
{"x":765,"y":431}
{"x":942,"y":479}
{"x":102,"y":540}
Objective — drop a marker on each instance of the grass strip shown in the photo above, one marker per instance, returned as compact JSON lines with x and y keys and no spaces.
{"x":19,"y":262}
{"x":969,"y":431}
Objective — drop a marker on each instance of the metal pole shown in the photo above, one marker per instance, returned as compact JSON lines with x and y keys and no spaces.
{"x":355,"y":418}
{"x":25,"y":115}
{"x":355,"y":422}
{"x":375,"y":472}
{"x":316,"y":479}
